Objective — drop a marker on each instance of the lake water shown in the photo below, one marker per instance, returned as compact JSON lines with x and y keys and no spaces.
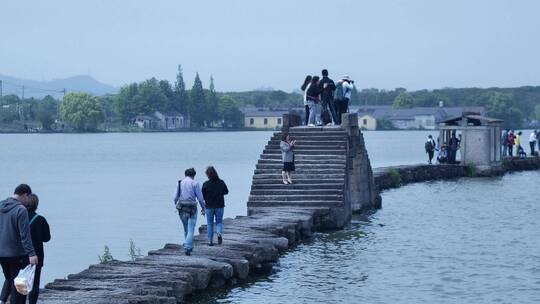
{"x":106,"y":189}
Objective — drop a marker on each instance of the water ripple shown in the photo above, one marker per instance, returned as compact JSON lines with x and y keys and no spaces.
{"x":465,"y":241}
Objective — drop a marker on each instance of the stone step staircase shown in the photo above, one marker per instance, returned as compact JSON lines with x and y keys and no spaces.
{"x":319,"y":178}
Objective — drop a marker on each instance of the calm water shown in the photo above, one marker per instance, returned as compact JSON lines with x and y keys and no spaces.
{"x":466,"y":241}
{"x":105,"y":189}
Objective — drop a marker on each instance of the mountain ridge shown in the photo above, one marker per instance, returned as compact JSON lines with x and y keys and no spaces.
{"x":55,"y":87}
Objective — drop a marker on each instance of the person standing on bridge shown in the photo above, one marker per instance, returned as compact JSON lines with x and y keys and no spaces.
{"x":314,"y":102}
{"x":188,"y":193}
{"x":327,"y":88}
{"x":510,"y":143}
{"x":504,"y":142}
{"x":214,"y":190}
{"x":16,"y":248}
{"x":430,"y":148}
{"x":305,"y":87}
{"x":287,"y":154}
{"x":532,"y":141}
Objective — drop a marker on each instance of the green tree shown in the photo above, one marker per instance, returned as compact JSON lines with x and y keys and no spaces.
{"x":230,"y":113}
{"x":403,"y":100}
{"x":82,"y":111}
{"x":499,"y":105}
{"x":47,"y":111}
{"x":197,"y":103}
{"x":537,"y":112}
{"x":212,"y":104}
{"x":125,"y":104}
{"x":153,"y":96}
{"x":181,"y":99}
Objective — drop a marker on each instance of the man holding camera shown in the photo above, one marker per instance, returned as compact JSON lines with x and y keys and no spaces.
{"x":344,"y":89}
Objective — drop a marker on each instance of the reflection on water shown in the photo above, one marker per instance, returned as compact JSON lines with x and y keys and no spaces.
{"x":466,"y":241}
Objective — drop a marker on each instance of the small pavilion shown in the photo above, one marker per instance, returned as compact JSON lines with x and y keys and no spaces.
{"x":480,"y":144}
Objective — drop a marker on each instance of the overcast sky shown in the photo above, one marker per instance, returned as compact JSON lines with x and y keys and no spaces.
{"x":248,"y":44}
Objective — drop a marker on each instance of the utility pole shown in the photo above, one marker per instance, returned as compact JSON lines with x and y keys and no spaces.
{"x":1,"y":89}
{"x":22,"y":92}
{"x":64,"y":91}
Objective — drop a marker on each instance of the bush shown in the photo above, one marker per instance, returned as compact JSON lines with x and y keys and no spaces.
{"x":470,"y":170}
{"x":107,"y":256}
{"x":134,"y":252}
{"x":395,"y":177}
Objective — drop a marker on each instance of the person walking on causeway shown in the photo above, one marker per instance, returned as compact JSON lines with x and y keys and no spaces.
{"x":16,"y":249}
{"x":40,"y":232}
{"x":188,"y":193}
{"x":430,"y":148}
{"x":214,"y":190}
{"x":287,"y":155}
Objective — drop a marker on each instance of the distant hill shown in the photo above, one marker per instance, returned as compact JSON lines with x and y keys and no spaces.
{"x":39,"y":89}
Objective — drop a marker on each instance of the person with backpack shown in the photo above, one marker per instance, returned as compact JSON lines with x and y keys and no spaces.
{"x":188,"y":193}
{"x":16,"y":248}
{"x":327,"y":88}
{"x":40,"y":232}
{"x":214,"y":190}
{"x":430,"y":148}
{"x":304,"y":88}
{"x":314,"y":102}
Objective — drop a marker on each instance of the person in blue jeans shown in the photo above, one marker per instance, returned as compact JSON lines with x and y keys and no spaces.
{"x":188,"y":193}
{"x":214,"y":190}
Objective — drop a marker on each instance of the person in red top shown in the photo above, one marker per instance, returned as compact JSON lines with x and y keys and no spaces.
{"x":510,"y":142}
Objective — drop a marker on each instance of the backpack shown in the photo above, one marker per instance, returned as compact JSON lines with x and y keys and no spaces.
{"x":325,"y":117}
{"x":428,"y":146}
{"x":339,"y":91}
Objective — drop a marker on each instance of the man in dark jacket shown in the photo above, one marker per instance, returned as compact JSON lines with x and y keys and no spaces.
{"x":16,"y":249}
{"x":327,"y":88}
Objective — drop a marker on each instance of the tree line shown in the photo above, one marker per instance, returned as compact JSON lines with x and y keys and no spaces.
{"x":519,"y":107}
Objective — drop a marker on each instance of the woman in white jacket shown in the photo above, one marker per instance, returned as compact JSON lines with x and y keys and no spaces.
{"x":305,"y":87}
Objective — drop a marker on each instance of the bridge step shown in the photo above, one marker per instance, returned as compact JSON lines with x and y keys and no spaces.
{"x":299,"y":152}
{"x":313,"y":157}
{"x":302,"y":147}
{"x":302,"y":192}
{"x":279,"y":165}
{"x":308,"y":142}
{"x":299,"y":181}
{"x":272,"y":203}
{"x":302,"y":170}
{"x":307,"y":176}
{"x":303,"y":161}
{"x":298,"y":186}
{"x":290,"y":197}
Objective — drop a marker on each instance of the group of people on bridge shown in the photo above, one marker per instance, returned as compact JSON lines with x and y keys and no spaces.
{"x":447,"y":151}
{"x":510,"y":141}
{"x":324,"y":100}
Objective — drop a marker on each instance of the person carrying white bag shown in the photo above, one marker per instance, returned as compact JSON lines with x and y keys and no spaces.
{"x":16,"y":248}
{"x":25,"y":280}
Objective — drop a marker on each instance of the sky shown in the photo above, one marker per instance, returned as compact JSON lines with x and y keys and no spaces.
{"x":250,"y":44}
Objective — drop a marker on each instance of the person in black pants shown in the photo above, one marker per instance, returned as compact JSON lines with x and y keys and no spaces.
{"x":304,"y":87}
{"x":40,"y":231}
{"x":16,"y":249}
